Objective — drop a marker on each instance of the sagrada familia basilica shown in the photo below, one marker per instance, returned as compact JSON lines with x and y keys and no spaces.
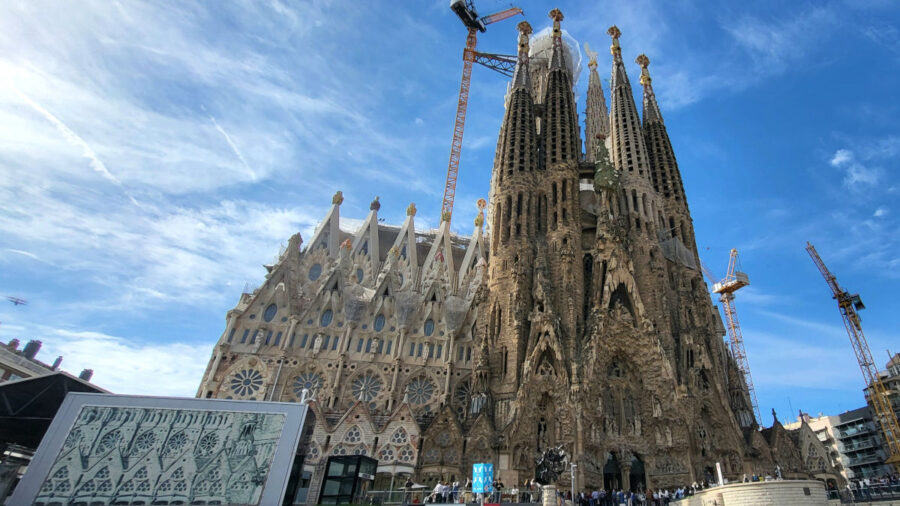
{"x":574,"y":313}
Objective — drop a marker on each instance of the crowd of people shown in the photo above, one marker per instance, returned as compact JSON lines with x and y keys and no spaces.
{"x":453,"y":492}
{"x":867,"y":488}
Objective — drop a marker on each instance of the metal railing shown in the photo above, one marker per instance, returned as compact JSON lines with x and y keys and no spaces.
{"x":870,"y":493}
{"x":426,"y":496}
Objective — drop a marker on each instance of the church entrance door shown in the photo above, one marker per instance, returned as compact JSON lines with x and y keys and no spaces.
{"x":612,"y":474}
{"x":636,"y":478}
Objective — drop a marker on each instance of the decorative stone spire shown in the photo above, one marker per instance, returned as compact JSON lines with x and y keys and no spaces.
{"x":596,"y":114}
{"x":664,"y":173}
{"x":560,"y":124}
{"x":411,"y":210}
{"x":517,"y":146}
{"x":651,"y":108}
{"x":375,"y":205}
{"x":628,"y":149}
{"x":522,"y":77}
{"x":557,"y":56}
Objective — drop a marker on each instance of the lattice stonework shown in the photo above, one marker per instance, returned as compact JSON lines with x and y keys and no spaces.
{"x":95,"y":457}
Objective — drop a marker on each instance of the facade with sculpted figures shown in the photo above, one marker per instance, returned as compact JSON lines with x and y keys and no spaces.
{"x":575,"y":313}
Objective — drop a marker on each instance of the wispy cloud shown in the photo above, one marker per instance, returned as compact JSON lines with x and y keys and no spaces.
{"x":234,"y":148}
{"x":74,"y":139}
{"x":855,"y":172}
{"x":23,"y":253}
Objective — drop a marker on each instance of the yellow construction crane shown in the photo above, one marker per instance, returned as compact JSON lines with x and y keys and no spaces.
{"x":849,"y":305}
{"x":504,"y":64}
{"x":733,"y":281}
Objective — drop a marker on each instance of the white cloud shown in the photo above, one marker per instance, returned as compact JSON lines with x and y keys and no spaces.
{"x":855,"y":172}
{"x":126,"y":366}
{"x":881,"y":211}
{"x":841,"y":157}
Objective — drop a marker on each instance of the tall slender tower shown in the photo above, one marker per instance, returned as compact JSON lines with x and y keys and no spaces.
{"x":514,"y":223}
{"x":664,"y":171}
{"x":596,"y":120}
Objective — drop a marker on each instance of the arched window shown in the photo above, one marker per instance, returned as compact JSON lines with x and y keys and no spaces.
{"x":326,"y":318}
{"x":379,"y":323}
{"x":315,"y":271}
{"x":429,"y":327}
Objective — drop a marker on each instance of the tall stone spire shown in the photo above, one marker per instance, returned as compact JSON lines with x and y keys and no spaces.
{"x":560,"y":126}
{"x":522,"y":77}
{"x":517,"y":147}
{"x":596,"y":114}
{"x":664,"y":171}
{"x":629,"y":153}
{"x":517,"y":154}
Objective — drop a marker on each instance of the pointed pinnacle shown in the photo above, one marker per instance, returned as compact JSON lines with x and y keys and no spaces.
{"x":557,"y":16}
{"x":644,"y":62}
{"x":615,"y":33}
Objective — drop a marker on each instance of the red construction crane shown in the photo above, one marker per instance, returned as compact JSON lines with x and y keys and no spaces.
{"x":504,"y":64}
{"x":849,"y":305}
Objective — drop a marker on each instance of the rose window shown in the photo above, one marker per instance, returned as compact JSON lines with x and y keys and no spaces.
{"x":175,"y":443}
{"x":400,"y":436}
{"x":313,"y":452}
{"x":353,"y":435}
{"x":443,"y":439}
{"x":107,"y":442}
{"x":246,"y":382}
{"x":207,"y":444}
{"x":420,"y":390}
{"x":308,"y":380}
{"x":366,"y":387}
{"x":73,"y":439}
{"x":144,"y":442}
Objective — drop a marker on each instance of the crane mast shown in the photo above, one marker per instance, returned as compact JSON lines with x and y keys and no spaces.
{"x":735,"y":280}
{"x":849,"y":305}
{"x":465,"y":9}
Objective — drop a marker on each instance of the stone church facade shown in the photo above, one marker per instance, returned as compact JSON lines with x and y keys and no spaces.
{"x":578,"y":316}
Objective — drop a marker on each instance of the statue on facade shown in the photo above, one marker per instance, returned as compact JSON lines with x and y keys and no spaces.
{"x":317,"y":344}
{"x":550,"y":464}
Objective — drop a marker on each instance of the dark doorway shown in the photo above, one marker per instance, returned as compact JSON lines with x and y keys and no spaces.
{"x":612,"y":475}
{"x":636,"y":477}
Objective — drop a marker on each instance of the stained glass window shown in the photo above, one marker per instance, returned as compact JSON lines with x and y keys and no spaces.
{"x":429,"y":327}
{"x":379,"y":323}
{"x":270,"y":312}
{"x":308,"y":380}
{"x":420,"y":390}
{"x":326,"y":317}
{"x":400,"y":436}
{"x":359,"y":275}
{"x":315,"y":271}
{"x":354,"y":435}
{"x":246,"y":382}
{"x":366,"y":387}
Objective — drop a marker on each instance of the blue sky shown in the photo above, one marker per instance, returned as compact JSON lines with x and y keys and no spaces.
{"x":154,"y":155}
